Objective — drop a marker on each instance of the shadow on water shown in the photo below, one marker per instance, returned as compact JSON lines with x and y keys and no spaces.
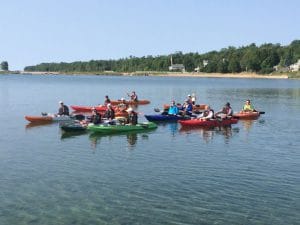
{"x":208,"y":133}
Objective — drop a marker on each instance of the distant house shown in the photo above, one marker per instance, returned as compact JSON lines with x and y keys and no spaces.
{"x":281,"y":69}
{"x":205,"y":62}
{"x":295,"y":67}
{"x":176,"y":67}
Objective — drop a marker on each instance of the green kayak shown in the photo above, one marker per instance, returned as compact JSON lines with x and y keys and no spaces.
{"x":106,"y":128}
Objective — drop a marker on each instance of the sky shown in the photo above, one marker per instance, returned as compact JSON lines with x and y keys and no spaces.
{"x":36,"y":31}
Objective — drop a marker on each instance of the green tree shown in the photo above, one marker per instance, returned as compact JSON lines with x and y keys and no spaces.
{"x":4,"y":65}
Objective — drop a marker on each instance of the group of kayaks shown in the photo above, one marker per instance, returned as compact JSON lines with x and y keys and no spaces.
{"x":71,"y":123}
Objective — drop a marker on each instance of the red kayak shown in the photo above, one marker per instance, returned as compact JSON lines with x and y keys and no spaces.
{"x":78,"y":108}
{"x":247,"y":115}
{"x":130,"y":102}
{"x":208,"y":123}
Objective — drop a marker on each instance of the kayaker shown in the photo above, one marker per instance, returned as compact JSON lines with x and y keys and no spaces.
{"x":225,"y":112}
{"x":133,"y":96}
{"x":63,"y":109}
{"x":107,"y":100}
{"x":207,"y":114}
{"x":248,"y":107}
{"x":187,"y":108}
{"x":173,"y":109}
{"x":110,"y":112}
{"x":96,"y":117}
{"x":193,"y":98}
{"x":132,"y":116}
{"x":122,"y":106}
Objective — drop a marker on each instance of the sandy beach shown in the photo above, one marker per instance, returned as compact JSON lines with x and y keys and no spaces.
{"x":172,"y":74}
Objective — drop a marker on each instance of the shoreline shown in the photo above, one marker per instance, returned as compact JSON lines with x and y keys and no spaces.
{"x":165,"y":74}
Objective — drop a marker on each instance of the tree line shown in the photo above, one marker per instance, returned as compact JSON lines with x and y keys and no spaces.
{"x":251,"y":58}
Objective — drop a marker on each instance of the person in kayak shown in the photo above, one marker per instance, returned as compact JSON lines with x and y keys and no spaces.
{"x":132,"y":116}
{"x":96,"y":117}
{"x":63,"y":109}
{"x":226,"y":112}
{"x":107,"y":100}
{"x":173,"y":110}
{"x":122,"y":106}
{"x":110,"y":112}
{"x":133,"y":96}
{"x":193,"y":98}
{"x":187,"y":108}
{"x":207,"y":114}
{"x":248,"y":107}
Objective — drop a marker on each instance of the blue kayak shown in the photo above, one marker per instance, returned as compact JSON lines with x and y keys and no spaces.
{"x":165,"y":118}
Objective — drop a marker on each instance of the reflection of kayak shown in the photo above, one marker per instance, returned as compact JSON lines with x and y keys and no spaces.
{"x":47,"y":118}
{"x":78,"y":108}
{"x":208,"y":123}
{"x":165,"y":118}
{"x":121,"y":128}
{"x":247,"y":115}
{"x":130,"y":102}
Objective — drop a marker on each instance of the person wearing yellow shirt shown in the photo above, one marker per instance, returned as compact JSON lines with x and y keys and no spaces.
{"x":248,"y":107}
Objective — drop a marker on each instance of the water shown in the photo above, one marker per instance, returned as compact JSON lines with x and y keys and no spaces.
{"x":248,"y":174}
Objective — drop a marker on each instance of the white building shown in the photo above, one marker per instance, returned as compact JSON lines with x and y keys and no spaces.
{"x":176,"y":67}
{"x":295,"y":67}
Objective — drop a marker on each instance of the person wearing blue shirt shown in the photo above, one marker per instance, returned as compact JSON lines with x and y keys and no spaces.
{"x":173,"y":110}
{"x":188,"y":108}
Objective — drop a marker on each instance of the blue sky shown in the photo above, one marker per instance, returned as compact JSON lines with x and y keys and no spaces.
{"x":36,"y":31}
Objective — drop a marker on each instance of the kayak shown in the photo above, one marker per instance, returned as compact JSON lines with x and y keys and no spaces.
{"x":165,"y":118}
{"x":208,"y":123}
{"x":195,"y":107}
{"x":106,"y":128}
{"x":73,"y":127}
{"x":100,"y":108}
{"x":47,"y":118}
{"x":130,"y":102}
{"x":247,"y":115}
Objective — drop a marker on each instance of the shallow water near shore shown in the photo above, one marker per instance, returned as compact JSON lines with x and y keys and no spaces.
{"x":248,"y":174}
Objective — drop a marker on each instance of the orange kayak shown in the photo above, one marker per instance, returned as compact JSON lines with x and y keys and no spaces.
{"x":79,"y":108}
{"x":195,"y":107}
{"x":41,"y":119}
{"x":247,"y":115}
{"x":129,"y":102}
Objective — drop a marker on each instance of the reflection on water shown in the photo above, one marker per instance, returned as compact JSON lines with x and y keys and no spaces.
{"x":171,"y":126}
{"x":38,"y":124}
{"x":72,"y":134}
{"x":131,"y":137}
{"x":208,"y":134}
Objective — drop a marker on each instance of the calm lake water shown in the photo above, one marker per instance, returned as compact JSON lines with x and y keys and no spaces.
{"x":248,"y":174}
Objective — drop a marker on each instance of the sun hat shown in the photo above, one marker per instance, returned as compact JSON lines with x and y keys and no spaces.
{"x":60,"y":102}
